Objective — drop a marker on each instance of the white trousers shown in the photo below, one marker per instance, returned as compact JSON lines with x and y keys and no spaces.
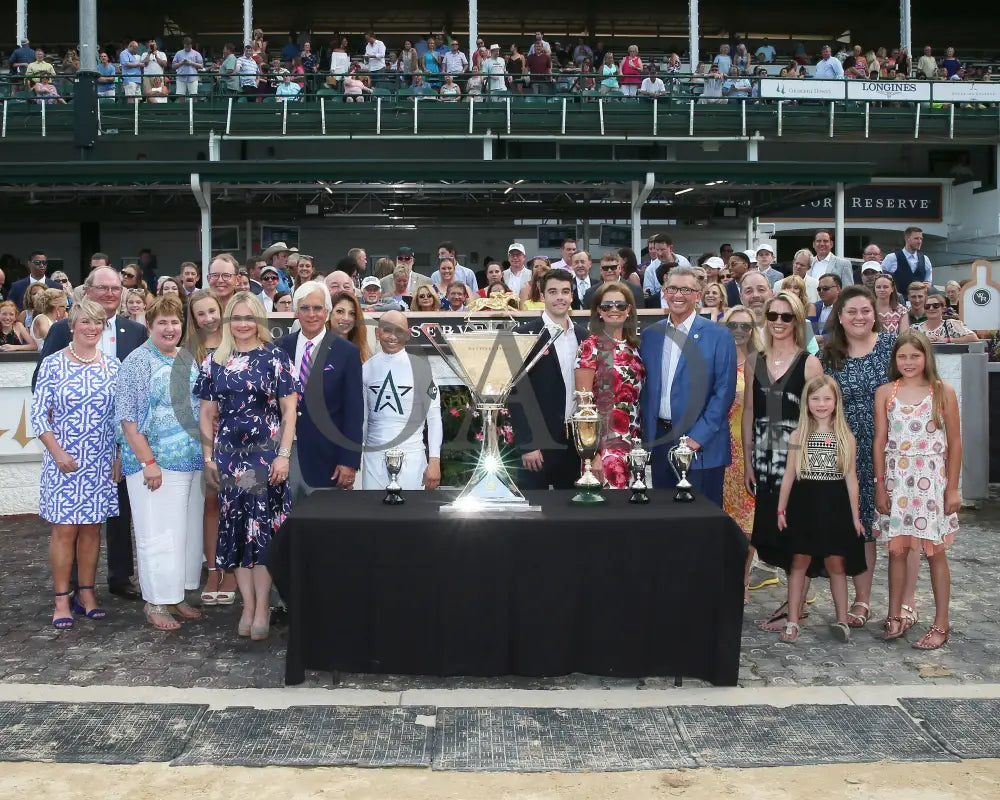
{"x":168,"y":534}
{"x":186,"y":87}
{"x":411,"y":477}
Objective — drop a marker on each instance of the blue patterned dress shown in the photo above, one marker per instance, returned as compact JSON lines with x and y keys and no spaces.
{"x":858,"y":379}
{"x":75,"y":402}
{"x":247,"y":390}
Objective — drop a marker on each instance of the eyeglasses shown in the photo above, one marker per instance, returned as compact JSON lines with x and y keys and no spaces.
{"x":106,"y":289}
{"x":307,"y":309}
{"x":617,"y":305}
{"x":39,"y":261}
{"x":608,"y":267}
{"x":687,"y":291}
{"x":137,"y":291}
{"x":784,"y":316}
{"x":825,"y":288}
{"x":740,"y":326}
{"x":129,"y":275}
{"x":932,"y":306}
{"x":270,"y":278}
{"x":63,"y":280}
{"x":223,"y":277}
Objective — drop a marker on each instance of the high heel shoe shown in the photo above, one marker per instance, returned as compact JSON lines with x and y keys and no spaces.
{"x":210,"y":598}
{"x":261,"y":633}
{"x":81,"y":610}
{"x":224,"y":598}
{"x":242,"y":630}
{"x":63,"y":623}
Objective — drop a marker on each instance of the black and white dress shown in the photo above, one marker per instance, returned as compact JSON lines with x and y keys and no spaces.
{"x":820,"y":522}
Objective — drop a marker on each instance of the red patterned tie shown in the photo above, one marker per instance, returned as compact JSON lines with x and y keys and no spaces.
{"x":305,"y":368}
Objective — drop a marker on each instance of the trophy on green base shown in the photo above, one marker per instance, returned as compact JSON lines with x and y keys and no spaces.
{"x":587,"y":430}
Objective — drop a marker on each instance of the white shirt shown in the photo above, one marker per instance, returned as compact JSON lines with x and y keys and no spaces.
{"x":652,"y":86}
{"x":300,"y":349}
{"x":517,"y":282}
{"x":496,"y":69}
{"x":812,"y":287}
{"x":455,"y":61}
{"x":464,"y":274}
{"x":154,"y":63}
{"x":248,"y":71}
{"x":566,"y":347}
{"x":820,"y":267}
{"x":671,"y":356}
{"x":389,"y":396}
{"x":267,"y":301}
{"x":889,"y":264}
{"x":375,"y":55}
{"x":561,"y":264}
{"x":582,"y":287}
{"x":649,"y":282}
{"x":340,"y":62}
{"x":109,"y":338}
{"x":829,"y":68}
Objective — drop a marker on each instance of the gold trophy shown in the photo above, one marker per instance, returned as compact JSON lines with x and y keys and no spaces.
{"x":393,"y":465}
{"x":587,"y":430}
{"x":637,"y":461}
{"x":681,"y":457}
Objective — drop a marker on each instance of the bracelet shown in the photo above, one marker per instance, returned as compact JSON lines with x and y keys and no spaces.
{"x":284,"y":452}
{"x":781,"y":513}
{"x":880,"y":479}
{"x":150,"y":463}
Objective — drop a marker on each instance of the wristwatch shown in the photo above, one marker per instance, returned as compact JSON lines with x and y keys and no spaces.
{"x":285,"y":452}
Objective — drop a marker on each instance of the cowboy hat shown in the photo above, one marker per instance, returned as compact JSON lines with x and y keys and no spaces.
{"x":274,"y":249}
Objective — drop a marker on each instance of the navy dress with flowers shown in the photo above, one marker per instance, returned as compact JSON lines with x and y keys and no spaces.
{"x":247,"y":389}
{"x":617,"y":383}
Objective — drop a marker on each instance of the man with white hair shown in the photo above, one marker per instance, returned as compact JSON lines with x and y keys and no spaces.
{"x":401,"y":398}
{"x":326,"y":453}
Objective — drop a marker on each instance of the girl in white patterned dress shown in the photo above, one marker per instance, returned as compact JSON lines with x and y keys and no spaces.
{"x":918,"y":458}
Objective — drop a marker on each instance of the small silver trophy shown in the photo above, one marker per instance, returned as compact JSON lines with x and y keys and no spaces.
{"x":393,"y":465}
{"x":587,"y":426}
{"x":681,"y":457}
{"x":637,"y":461}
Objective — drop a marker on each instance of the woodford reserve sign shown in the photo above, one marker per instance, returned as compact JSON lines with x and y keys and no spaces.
{"x":873,"y":202}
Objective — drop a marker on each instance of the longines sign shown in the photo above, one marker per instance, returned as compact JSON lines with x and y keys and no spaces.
{"x":907,"y":91}
{"x":874,"y":202}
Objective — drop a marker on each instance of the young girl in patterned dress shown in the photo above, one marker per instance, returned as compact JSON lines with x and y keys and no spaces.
{"x":818,"y":503}
{"x":918,"y":458}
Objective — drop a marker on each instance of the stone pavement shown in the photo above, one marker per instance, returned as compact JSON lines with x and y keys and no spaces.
{"x":125,"y":651}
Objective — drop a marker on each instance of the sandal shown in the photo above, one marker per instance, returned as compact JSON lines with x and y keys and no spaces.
{"x":934,"y":630}
{"x":859,"y":620}
{"x":790,"y":633}
{"x":841,"y":632}
{"x":63,"y":623}
{"x":78,"y":607}
{"x":774,"y":624}
{"x":160,"y":618}
{"x":224,"y":598}
{"x":210,"y":598}
{"x":910,"y":617}
{"x":889,"y":635}
{"x":184,"y":611}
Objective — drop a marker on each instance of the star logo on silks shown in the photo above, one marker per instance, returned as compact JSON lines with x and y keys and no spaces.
{"x":388,"y":395}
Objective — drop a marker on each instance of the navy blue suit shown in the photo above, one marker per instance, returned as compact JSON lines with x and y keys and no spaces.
{"x":701,"y":394}
{"x":333,"y":437}
{"x":128,"y":336}
{"x":19,"y":288}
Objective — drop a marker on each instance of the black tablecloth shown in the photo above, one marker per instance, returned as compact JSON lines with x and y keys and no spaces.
{"x":619,"y":590}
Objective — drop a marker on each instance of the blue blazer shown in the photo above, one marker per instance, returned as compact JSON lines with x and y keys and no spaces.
{"x":129,"y":335}
{"x":19,"y":288}
{"x":701,"y":393}
{"x":335,"y":437}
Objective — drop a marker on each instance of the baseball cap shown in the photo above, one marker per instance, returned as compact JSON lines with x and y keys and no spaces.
{"x":765,"y":246}
{"x":270,"y":269}
{"x":371,"y":280}
{"x":404,"y":251}
{"x":714,"y":263}
{"x":494,"y":47}
{"x":871,"y":266}
{"x":517,"y":246}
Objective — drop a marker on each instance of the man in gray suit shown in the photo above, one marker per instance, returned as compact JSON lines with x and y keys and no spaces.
{"x":826,"y":262}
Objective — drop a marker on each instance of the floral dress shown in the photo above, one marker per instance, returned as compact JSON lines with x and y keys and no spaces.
{"x":617,"y":383}
{"x":737,"y":502}
{"x":890,"y":319}
{"x":916,"y":474}
{"x":247,"y":389}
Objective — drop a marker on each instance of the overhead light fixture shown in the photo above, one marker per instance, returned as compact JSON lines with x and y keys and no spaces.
{"x":519,"y":182}
{"x":508,"y":190}
{"x":684,"y":191}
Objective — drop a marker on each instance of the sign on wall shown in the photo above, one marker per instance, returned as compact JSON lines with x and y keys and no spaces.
{"x":799,"y":89}
{"x":965,"y":92}
{"x":896,"y":91}
{"x":873,"y":202}
{"x":981,"y":299}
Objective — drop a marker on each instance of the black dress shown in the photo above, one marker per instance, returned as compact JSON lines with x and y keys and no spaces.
{"x":820,"y":522}
{"x":775,"y":415}
{"x":10,"y":338}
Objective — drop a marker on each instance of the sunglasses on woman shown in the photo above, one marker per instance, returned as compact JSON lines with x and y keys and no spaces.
{"x":933,"y":306}
{"x":784,"y":316}
{"x":617,"y":305}
{"x":746,"y":327}
{"x":129,"y":275}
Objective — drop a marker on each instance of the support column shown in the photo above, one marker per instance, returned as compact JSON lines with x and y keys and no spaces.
{"x":640,"y":194}
{"x":248,"y":22}
{"x":473,"y":28}
{"x":693,"y":35}
{"x":22,"y":22}
{"x":838,"y":219}
{"x":751,"y":230}
{"x":906,"y":29}
{"x":203,"y":196}
{"x":85,"y":81}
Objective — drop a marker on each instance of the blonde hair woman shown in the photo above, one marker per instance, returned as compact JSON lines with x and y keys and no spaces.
{"x":713,"y":300}
{"x":50,"y":306}
{"x":251,"y":391}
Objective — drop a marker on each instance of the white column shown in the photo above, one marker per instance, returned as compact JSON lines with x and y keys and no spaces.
{"x":906,"y":28}
{"x":473,"y":28}
{"x":203,"y":195}
{"x":838,"y":220}
{"x":22,"y":22}
{"x":751,"y":230}
{"x":693,"y":35}
{"x":640,"y":194}
{"x":247,"y":21}
{"x":88,"y":36}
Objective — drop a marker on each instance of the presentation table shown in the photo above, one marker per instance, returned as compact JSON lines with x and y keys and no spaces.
{"x":616,"y":590}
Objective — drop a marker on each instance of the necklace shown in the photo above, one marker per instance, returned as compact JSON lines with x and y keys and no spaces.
{"x":81,"y":359}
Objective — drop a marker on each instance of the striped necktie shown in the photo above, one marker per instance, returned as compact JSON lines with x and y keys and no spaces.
{"x":305,"y":368}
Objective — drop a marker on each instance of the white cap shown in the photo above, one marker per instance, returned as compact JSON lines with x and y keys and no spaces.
{"x":765,"y":246}
{"x":715,"y":263}
{"x":371,"y":280}
{"x":752,"y":255}
{"x":518,"y":247}
{"x":494,"y":47}
{"x":871,"y":265}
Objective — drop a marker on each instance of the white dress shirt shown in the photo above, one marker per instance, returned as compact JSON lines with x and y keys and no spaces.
{"x":671,"y":356}
{"x":820,"y":267}
{"x":566,"y":347}
{"x":812,"y":290}
{"x":582,"y":287}
{"x":375,"y":55}
{"x":300,"y":349}
{"x":267,"y":301}
{"x":517,"y":282}
{"x":561,"y":264}
{"x":109,"y":338}
{"x":889,"y":264}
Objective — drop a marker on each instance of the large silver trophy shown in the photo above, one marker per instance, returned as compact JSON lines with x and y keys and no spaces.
{"x":681,"y":456}
{"x":490,"y":358}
